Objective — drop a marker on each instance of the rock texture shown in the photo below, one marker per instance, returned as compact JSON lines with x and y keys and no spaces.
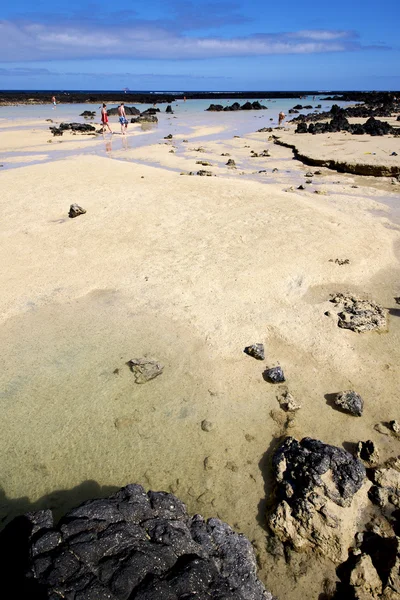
{"x":144,"y":369}
{"x":350,"y":402}
{"x":75,"y":210}
{"x":316,"y":484}
{"x":142,"y":546}
{"x":74,"y":127}
{"x":129,"y":111}
{"x":274,"y":375}
{"x":360,"y":315}
{"x":372,"y":569}
{"x":256,"y":351}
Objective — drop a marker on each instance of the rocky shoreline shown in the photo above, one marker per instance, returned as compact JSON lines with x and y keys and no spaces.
{"x":12,"y":98}
{"x":146,"y":546}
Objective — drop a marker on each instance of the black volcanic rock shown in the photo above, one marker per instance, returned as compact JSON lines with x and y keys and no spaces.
{"x":145,"y":118}
{"x":236,"y":106}
{"x":138,"y":545}
{"x":316,"y":484}
{"x":129,"y":111}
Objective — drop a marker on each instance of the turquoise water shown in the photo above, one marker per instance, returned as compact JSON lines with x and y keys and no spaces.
{"x":190,"y":107}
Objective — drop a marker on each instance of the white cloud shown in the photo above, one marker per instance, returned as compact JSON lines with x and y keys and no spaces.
{"x":30,"y":41}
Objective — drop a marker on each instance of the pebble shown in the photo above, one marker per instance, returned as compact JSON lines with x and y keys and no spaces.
{"x":209,"y":463}
{"x":275,"y":375}
{"x":256,"y":351}
{"x":207,"y":425}
{"x":75,"y":210}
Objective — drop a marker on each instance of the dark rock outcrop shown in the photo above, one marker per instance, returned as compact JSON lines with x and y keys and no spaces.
{"x":316,"y":484}
{"x":142,"y":546}
{"x":129,"y":111}
{"x":340,"y":122}
{"x":145,"y":118}
{"x":236,"y":106}
{"x":74,"y":127}
{"x":169,"y":110}
{"x":88,"y":114}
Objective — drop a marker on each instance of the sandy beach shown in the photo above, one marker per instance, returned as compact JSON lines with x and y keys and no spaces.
{"x":188,"y":270}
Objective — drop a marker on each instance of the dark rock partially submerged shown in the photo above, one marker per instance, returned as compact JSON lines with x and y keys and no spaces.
{"x":145,"y":118}
{"x":142,"y":546}
{"x":88,"y":114}
{"x":129,"y":111}
{"x":236,"y":106}
{"x":316,"y":484}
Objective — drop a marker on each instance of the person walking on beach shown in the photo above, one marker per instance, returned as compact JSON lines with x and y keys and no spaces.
{"x":54,"y":101}
{"x":122,"y":118}
{"x":104,"y":118}
{"x":281,"y":118}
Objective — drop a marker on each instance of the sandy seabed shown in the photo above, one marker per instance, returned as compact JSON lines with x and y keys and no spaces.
{"x":187,"y":270}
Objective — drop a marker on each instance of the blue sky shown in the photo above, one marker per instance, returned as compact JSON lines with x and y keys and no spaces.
{"x":194,"y":45}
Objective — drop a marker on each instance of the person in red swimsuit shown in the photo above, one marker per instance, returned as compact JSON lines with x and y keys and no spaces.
{"x":104,"y":118}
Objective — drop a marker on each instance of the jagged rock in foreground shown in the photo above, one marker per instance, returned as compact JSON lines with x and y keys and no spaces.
{"x":372,"y":570}
{"x":142,"y":546}
{"x":318,"y":504}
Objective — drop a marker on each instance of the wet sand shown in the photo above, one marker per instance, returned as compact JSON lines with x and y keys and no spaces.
{"x":188,"y":270}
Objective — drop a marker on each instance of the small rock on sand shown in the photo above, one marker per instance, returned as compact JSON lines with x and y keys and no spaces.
{"x":207,"y":425}
{"x":209,"y":463}
{"x":350,"y":402}
{"x":274,"y":375}
{"x":287,"y":402}
{"x":256,"y":351}
{"x":395,"y":426}
{"x":368,"y":453}
{"x":145,"y":369}
{"x":75,"y":210}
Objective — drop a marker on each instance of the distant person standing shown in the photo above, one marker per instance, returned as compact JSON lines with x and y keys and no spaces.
{"x":281,"y":118}
{"x":122,"y":118}
{"x":54,"y":101}
{"x":104,"y":118}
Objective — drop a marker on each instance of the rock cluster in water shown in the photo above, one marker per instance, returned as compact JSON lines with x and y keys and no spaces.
{"x":138,"y":545}
{"x":129,"y":111}
{"x":74,"y":127}
{"x":236,"y":106}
